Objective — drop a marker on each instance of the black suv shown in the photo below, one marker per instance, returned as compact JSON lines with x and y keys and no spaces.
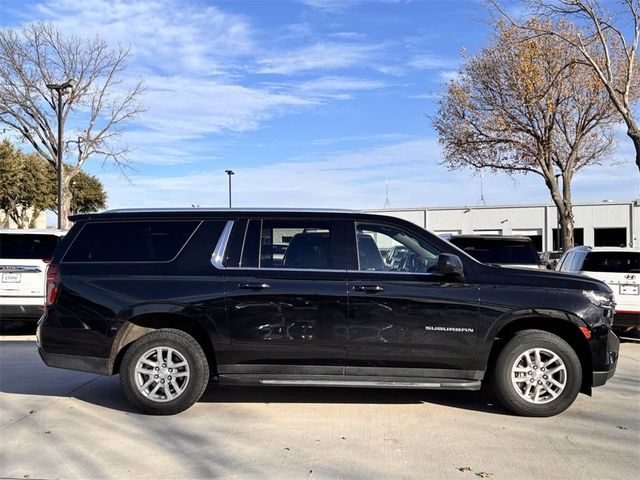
{"x":174,"y":299}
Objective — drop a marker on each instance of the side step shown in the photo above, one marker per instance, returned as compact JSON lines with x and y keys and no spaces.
{"x":353,"y":382}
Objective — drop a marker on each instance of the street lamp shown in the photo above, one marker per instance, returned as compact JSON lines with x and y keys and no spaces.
{"x":229,"y":173}
{"x":60,"y":88}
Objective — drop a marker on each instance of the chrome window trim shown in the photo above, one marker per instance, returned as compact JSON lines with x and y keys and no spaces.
{"x":262,"y":269}
{"x":218,"y":253}
{"x":393,"y":273}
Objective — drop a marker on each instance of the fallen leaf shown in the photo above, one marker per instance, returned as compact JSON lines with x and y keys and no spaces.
{"x":464,"y":469}
{"x":484,"y":474}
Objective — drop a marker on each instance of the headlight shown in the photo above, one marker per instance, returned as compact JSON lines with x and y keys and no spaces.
{"x":600,"y":299}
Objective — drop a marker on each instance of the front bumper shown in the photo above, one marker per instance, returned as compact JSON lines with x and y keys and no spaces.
{"x":603,"y":373}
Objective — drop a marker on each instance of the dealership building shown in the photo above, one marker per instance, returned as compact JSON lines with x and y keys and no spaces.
{"x":596,"y":224}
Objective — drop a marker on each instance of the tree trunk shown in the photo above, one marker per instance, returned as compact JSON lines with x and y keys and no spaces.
{"x":634,"y":134}
{"x":566,"y":231}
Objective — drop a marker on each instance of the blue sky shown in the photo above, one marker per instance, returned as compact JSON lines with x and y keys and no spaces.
{"x":313,"y":103}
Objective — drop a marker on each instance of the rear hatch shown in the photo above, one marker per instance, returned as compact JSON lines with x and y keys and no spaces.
{"x":23,"y":263}
{"x":621,"y":271}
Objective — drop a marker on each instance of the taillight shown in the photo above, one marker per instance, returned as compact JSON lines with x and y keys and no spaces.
{"x":53,"y":284}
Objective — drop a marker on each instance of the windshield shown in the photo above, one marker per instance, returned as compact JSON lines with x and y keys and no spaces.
{"x":27,"y":246}
{"x":488,"y":250}
{"x":614,"y":262}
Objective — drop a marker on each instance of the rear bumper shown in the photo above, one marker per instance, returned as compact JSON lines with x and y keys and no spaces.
{"x":605,"y":372}
{"x":10,"y":313}
{"x":74,"y":362}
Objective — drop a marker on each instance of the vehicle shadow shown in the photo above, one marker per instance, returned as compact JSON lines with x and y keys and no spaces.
{"x":480,"y":401}
{"x":22,"y":372}
{"x":106,"y":393}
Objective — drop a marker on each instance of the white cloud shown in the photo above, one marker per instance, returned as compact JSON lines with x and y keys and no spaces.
{"x":339,"y":5}
{"x":319,"y":56}
{"x":165,"y":35}
{"x":194,"y":107}
{"x":448,"y":75}
{"x":431,"y":62}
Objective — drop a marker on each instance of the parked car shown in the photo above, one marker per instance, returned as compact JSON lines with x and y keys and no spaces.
{"x":550,"y":259}
{"x":617,"y":267}
{"x":505,"y":251}
{"x":171,"y":299}
{"x":24,"y":255}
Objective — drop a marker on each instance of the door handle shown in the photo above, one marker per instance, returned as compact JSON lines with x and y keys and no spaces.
{"x":368,"y":288}
{"x":254,"y":286}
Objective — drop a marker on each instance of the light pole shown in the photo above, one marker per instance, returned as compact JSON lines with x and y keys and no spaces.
{"x":229,"y":173}
{"x":60,"y":88}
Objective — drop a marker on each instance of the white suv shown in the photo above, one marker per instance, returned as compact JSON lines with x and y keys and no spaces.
{"x":24,"y":255}
{"x":617,"y":267}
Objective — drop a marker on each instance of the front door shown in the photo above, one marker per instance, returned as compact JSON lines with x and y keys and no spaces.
{"x":286,"y":298}
{"x":404,"y":316}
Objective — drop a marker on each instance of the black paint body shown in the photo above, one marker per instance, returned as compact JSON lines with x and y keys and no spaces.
{"x":315,"y":322}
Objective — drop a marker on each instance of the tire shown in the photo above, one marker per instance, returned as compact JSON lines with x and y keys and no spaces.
{"x":555,"y":370}
{"x":182,"y":374}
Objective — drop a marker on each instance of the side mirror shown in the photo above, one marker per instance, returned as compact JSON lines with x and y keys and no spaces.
{"x":450,"y":265}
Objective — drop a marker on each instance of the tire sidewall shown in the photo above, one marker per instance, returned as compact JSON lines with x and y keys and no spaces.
{"x":513,"y":350}
{"x":198,"y":372}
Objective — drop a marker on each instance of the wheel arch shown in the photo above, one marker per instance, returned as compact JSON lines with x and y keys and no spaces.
{"x":139,"y":325}
{"x":565,"y":329}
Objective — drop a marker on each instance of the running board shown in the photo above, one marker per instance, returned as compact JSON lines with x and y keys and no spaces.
{"x":367,"y":382}
{"x":475,"y":385}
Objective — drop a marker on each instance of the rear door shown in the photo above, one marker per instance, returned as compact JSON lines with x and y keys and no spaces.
{"x":286,"y":297}
{"x":23,"y":266}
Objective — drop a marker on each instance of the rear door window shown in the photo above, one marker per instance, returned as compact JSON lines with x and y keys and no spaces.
{"x":130,"y":241}
{"x":27,"y":246}
{"x":292,"y":244}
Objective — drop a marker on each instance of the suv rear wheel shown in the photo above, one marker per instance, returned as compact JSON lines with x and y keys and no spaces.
{"x":164,"y":372}
{"x":537,"y":374}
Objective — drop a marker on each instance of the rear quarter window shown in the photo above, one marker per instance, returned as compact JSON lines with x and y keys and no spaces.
{"x":612,"y":262}
{"x":27,"y":246}
{"x":130,"y":241}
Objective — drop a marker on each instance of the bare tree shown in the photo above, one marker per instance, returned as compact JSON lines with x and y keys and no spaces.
{"x":523,"y":105}
{"x":96,"y":107}
{"x":607,"y":43}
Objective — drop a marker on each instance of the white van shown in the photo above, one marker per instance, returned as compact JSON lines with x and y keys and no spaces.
{"x":617,"y":267}
{"x":24,"y":256}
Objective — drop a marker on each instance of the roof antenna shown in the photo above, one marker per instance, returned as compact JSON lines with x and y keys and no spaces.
{"x":387,"y":203}
{"x":482,"y":200}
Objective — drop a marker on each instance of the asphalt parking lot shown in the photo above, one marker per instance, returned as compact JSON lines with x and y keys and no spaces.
{"x":57,"y":424}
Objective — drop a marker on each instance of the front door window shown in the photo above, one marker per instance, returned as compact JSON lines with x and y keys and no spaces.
{"x":386,"y":248}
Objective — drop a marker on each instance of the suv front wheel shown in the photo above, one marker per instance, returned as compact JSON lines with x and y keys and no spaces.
{"x":537,"y":374}
{"x":164,"y":372}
